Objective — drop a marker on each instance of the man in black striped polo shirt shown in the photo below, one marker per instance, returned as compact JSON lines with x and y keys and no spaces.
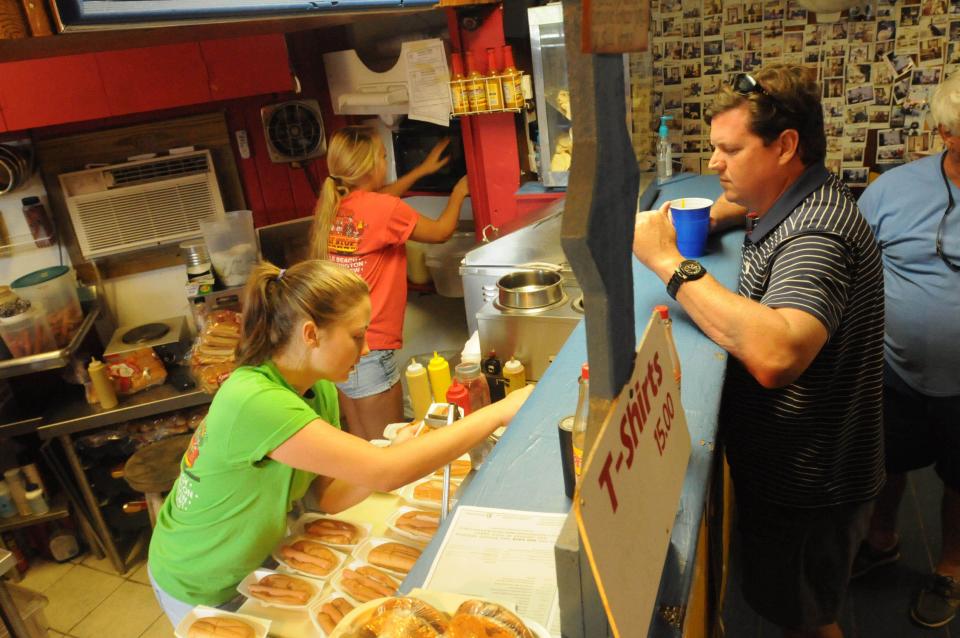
{"x":802,"y":398}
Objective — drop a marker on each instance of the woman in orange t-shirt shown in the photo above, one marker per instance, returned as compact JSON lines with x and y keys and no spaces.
{"x":362,"y":224}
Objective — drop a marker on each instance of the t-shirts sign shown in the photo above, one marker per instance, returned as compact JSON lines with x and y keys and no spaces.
{"x":627,"y":499}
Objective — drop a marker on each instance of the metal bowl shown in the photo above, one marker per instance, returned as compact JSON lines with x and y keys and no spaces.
{"x":526,"y":289}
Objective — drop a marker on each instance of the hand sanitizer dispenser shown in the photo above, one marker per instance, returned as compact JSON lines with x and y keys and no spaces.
{"x":664,"y":152}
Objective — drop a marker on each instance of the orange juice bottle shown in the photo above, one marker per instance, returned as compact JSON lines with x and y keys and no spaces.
{"x":512,"y":81}
{"x":476,"y":87}
{"x":492,"y":82}
{"x":458,"y":86}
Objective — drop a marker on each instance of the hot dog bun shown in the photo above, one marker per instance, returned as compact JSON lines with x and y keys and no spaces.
{"x":432,"y":490}
{"x":394,"y":556}
{"x":283,"y":589}
{"x":420,"y":523}
{"x":367,"y":583}
{"x":332,"y":531}
{"x":458,"y":469}
{"x":220,"y":627}
{"x":309,"y":556}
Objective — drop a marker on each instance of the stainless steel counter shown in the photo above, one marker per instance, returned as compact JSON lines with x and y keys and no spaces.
{"x":78,"y":416}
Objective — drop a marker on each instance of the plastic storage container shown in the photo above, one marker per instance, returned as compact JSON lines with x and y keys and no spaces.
{"x":443,"y":261}
{"x":232,"y":245}
{"x":27,"y":333}
{"x":53,"y":291}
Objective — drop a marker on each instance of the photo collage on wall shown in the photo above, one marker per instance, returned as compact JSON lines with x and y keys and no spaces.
{"x":878,"y":68}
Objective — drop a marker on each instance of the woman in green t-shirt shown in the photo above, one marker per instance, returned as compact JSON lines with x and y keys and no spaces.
{"x":274,"y":426}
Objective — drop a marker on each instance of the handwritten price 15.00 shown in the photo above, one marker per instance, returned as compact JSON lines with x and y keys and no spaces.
{"x":632,"y":424}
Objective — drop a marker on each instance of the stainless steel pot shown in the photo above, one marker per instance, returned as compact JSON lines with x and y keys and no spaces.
{"x":527,"y":289}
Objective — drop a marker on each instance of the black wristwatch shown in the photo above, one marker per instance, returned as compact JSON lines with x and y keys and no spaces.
{"x":688,"y":270}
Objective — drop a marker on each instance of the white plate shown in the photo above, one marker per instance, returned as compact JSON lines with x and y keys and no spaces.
{"x":363,"y":553}
{"x":277,"y":556}
{"x":407,"y":493}
{"x":260,"y":625}
{"x":442,"y":601}
{"x":392,"y":525}
{"x":258,"y":574}
{"x":315,"y":609}
{"x":300,"y":529}
{"x":337,"y":583}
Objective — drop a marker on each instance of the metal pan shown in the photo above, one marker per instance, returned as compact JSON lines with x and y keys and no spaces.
{"x":527,"y":289}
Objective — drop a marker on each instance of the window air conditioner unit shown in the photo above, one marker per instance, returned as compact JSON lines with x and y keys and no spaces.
{"x":122,"y":207}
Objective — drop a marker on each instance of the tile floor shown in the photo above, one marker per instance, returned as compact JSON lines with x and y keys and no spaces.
{"x":878,"y":603}
{"x":87,"y":599}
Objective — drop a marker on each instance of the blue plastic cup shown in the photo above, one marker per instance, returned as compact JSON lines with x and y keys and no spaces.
{"x":691,"y":219}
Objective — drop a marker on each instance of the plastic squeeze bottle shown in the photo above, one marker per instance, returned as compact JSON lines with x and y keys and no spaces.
{"x":439,"y":372}
{"x":512,"y":81}
{"x":106,"y":394}
{"x":664,"y":152}
{"x":458,"y":86}
{"x":419,"y":386}
{"x":457,"y":393}
{"x":515,"y":374}
{"x":494,"y":90}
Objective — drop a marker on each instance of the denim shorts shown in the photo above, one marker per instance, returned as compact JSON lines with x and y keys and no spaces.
{"x":376,"y":372}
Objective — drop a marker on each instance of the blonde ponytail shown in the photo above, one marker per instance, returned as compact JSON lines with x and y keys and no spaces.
{"x":276,"y":302}
{"x":351,"y":157}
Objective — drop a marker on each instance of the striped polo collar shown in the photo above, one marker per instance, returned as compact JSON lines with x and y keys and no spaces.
{"x":810,"y":180}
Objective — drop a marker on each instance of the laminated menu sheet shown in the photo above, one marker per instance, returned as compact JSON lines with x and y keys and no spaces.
{"x":502,"y":555}
{"x":428,"y":80}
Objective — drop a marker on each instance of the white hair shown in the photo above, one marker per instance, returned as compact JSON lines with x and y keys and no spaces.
{"x":945,"y":104}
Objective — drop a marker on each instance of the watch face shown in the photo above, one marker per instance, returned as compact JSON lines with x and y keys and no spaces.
{"x":691,"y":268}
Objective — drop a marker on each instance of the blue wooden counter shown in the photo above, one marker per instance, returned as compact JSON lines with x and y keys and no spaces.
{"x":523,"y":471}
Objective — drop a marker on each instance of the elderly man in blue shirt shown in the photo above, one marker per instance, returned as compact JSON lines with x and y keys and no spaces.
{"x":912,"y":212}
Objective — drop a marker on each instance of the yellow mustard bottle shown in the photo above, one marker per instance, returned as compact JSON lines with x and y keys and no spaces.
{"x":419,"y":387}
{"x":515,"y":374}
{"x":439,"y":372}
{"x":106,"y":394}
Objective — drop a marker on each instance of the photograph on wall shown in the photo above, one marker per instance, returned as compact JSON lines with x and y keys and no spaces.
{"x":860,"y":94}
{"x":931,"y":51}
{"x":886,"y":30}
{"x":878,"y":116}
{"x":855,"y":176}
{"x":901,"y":64}
{"x":861,"y":53}
{"x":732,"y":41}
{"x":889,"y":154}
{"x":929,"y":76}
{"x":881,"y":94}
{"x":796,"y":14}
{"x":856,"y":134}
{"x":712,"y":26}
{"x":853,"y":154}
{"x":857,"y":114}
{"x":712,"y":47}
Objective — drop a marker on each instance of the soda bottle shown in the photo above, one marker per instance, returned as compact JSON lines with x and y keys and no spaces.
{"x":476,"y":86}
{"x":512,"y":85}
{"x":492,"y":82}
{"x":458,"y":86}
{"x":580,"y":420}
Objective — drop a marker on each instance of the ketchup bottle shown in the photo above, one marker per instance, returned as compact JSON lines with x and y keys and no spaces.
{"x":457,"y":393}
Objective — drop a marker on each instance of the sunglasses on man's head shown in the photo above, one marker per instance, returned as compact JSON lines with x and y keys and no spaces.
{"x":745,"y":84}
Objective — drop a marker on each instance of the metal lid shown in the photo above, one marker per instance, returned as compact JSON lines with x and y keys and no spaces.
{"x":40,"y":276}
